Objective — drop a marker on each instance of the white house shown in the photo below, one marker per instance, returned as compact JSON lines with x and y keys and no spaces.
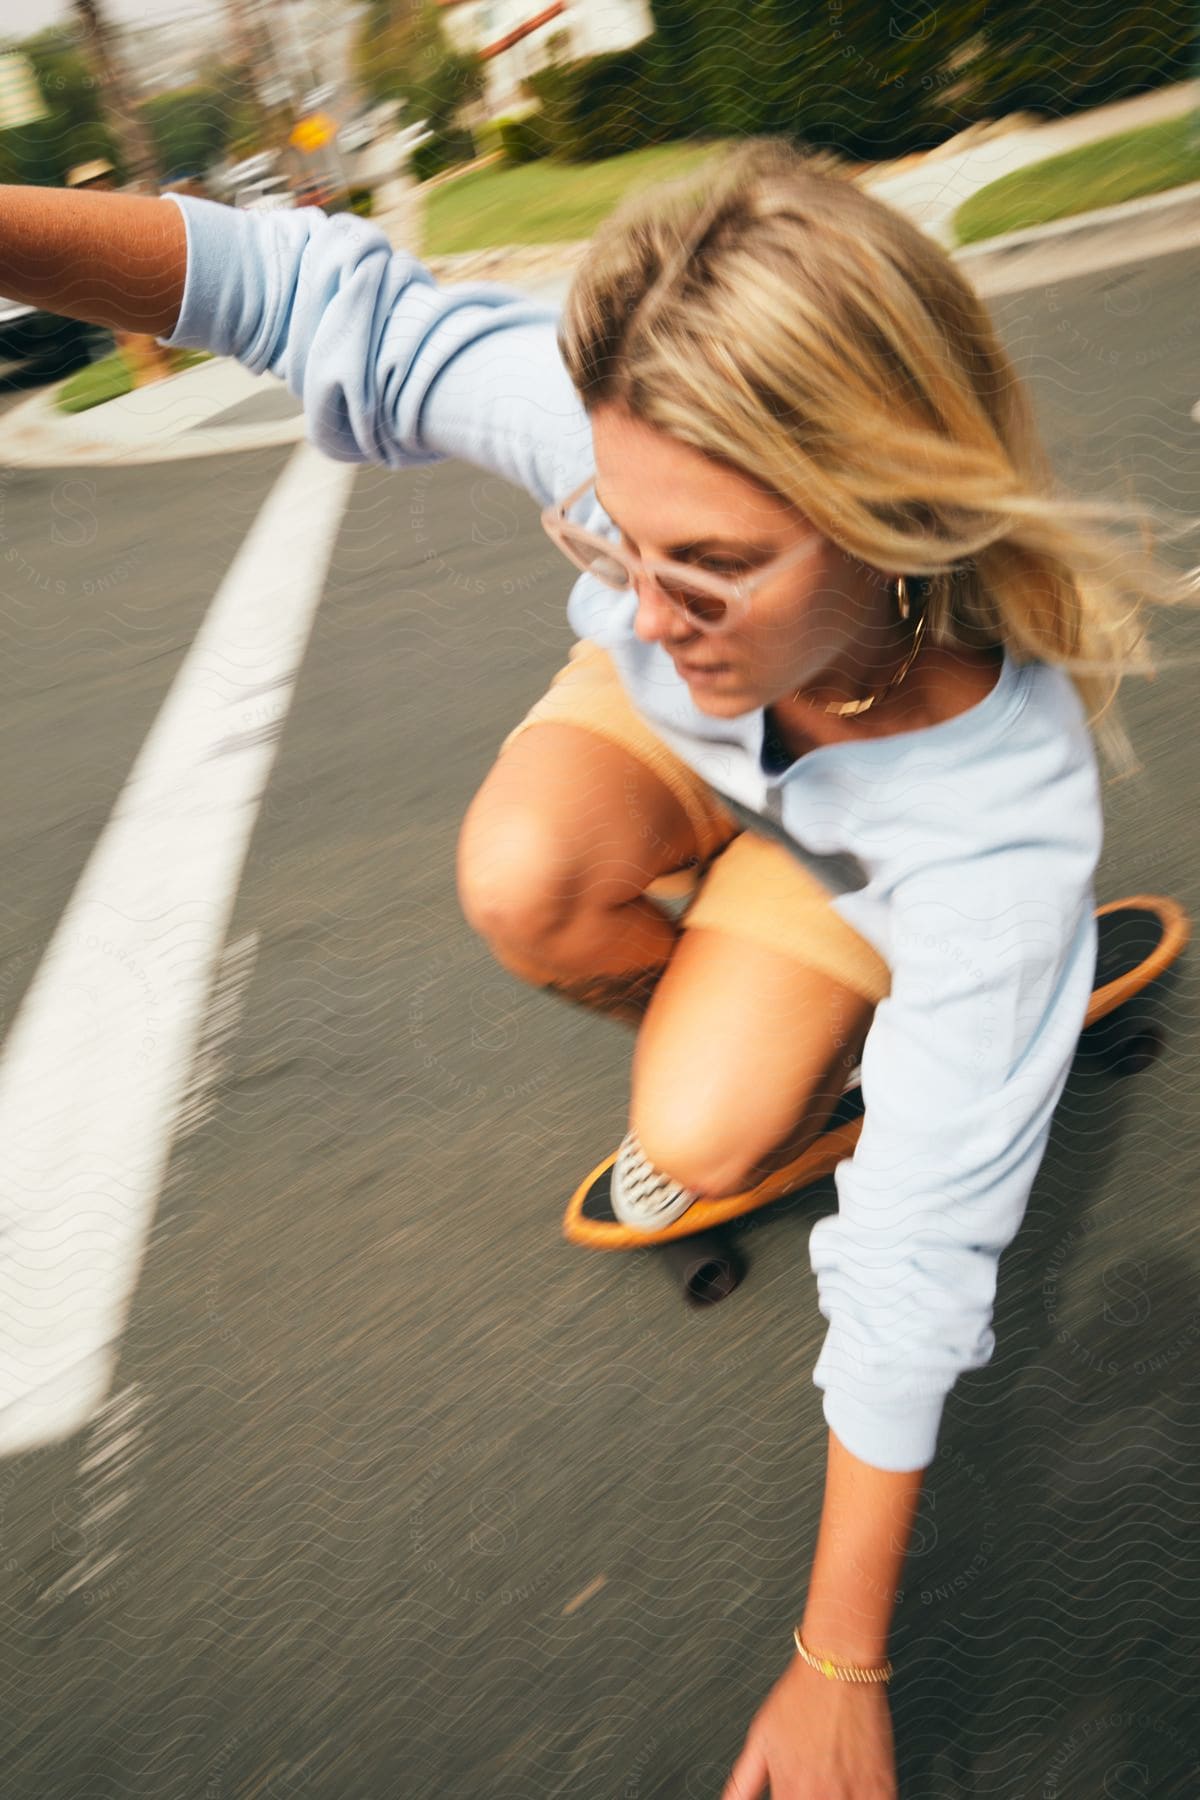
{"x":515,"y":38}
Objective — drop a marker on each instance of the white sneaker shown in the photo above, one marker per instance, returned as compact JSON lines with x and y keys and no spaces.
{"x":640,"y":1196}
{"x":644,"y":1199}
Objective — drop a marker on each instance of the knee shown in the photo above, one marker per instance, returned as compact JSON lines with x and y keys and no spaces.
{"x":512,"y":887}
{"x":683,"y":1141}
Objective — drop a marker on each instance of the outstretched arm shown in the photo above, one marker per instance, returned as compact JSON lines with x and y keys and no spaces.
{"x":390,"y":366}
{"x":113,"y":259}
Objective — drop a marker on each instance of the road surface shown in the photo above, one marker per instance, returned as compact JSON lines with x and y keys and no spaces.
{"x":393,"y":1492}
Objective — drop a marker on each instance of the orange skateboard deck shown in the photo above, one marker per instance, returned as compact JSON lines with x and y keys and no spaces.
{"x":1139,"y":939}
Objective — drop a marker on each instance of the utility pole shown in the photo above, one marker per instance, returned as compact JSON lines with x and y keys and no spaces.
{"x":247,"y":40}
{"x":258,"y":56}
{"x":266,"y":81}
{"x":270,"y":49}
{"x":137,"y":149}
{"x":304,"y":79}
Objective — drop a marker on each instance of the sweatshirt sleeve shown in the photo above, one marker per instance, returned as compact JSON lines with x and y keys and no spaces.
{"x":389,"y":367}
{"x":964,"y":1064}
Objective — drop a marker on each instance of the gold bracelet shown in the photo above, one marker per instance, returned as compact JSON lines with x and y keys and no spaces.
{"x":839,"y":1671}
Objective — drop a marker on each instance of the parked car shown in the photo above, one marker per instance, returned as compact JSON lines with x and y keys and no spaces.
{"x":411,"y":137}
{"x":357,"y":135}
{"x":266,"y":195}
{"x":45,"y":342}
{"x":316,"y":190}
{"x":252,"y":168}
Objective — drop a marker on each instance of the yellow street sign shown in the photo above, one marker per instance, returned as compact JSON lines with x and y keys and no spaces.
{"x":313,"y":132}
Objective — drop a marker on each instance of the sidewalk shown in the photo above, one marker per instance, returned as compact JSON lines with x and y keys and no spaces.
{"x":932,"y":190}
{"x":218,"y":406}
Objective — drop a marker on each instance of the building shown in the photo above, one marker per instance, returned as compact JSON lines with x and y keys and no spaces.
{"x":515,"y":38}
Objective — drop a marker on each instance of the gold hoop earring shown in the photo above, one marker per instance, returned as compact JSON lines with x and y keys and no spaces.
{"x":902,"y":600}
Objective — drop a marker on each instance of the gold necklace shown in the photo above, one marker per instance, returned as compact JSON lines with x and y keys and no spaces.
{"x":851,"y":708}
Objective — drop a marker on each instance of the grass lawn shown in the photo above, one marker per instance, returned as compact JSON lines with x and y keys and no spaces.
{"x":1145,"y":161}
{"x":109,"y":378}
{"x":543,"y":202}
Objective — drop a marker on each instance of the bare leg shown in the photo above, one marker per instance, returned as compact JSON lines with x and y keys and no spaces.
{"x":740,"y":1062}
{"x":556,"y":852}
{"x":623,"y":957}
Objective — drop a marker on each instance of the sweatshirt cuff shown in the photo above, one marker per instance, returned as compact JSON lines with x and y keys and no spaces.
{"x":898,"y":1439}
{"x":176,"y":339}
{"x":218,"y":313}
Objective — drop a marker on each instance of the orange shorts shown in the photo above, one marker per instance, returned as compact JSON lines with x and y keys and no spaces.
{"x":746,"y":886}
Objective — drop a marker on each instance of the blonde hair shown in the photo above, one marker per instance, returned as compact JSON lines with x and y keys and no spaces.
{"x":772,"y":314}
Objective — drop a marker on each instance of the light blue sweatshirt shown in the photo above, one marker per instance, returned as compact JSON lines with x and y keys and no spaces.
{"x":965,"y":852}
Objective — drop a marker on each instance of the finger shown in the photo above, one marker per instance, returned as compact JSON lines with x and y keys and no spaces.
{"x":748,"y":1776}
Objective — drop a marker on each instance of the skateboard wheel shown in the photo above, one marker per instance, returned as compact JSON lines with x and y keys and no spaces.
{"x":704,"y":1265}
{"x":1123,"y":1046}
{"x":1137,"y":1052}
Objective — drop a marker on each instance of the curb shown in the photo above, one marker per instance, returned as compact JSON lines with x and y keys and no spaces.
{"x":1109,"y":237}
{"x":1185,"y":200}
{"x":167,"y":421}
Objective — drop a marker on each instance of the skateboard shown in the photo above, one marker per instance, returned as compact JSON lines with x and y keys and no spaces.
{"x":1138,"y":940}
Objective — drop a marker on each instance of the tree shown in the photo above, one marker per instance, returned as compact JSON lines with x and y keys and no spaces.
{"x":120,"y":111}
{"x":1054,"y":59}
{"x":866,"y":79}
{"x":387,"y":43}
{"x":402,"y":54}
{"x":189,"y":126}
{"x":74,"y":130}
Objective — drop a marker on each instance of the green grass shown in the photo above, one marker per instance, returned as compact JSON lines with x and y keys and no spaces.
{"x":1146,"y":161}
{"x":109,"y":378}
{"x":543,"y":202}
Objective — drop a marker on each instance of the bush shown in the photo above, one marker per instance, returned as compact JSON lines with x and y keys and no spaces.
{"x":526,"y":139}
{"x":487,"y":137}
{"x":870,"y":86}
{"x":188,"y":126}
{"x":362,"y":201}
{"x":553,"y":89}
{"x":603,"y":106}
{"x":1056,"y":60}
{"x":866,"y":82}
{"x":444,"y":150}
{"x":865,"y":89}
{"x":619,"y":104}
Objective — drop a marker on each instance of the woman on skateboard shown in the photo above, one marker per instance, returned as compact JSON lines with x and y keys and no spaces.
{"x":842,"y":646}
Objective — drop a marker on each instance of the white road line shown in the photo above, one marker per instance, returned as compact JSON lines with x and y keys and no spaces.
{"x":98,"y":1058}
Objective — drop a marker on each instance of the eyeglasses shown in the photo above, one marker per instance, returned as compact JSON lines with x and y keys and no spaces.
{"x":708,"y":601}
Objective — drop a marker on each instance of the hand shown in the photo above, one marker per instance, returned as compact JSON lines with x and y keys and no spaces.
{"x":815,"y":1739}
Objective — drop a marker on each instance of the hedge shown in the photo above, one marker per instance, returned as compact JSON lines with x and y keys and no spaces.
{"x":850,"y":76}
{"x":524,"y":139}
{"x":441,"y":152}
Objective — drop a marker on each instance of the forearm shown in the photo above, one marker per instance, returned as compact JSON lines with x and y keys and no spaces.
{"x":112,"y":259}
{"x":866,"y":1524}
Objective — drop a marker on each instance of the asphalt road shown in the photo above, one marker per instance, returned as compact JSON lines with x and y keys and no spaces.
{"x":396,"y":1493}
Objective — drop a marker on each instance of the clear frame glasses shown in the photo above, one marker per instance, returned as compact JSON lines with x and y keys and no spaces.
{"x":708,"y":601}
